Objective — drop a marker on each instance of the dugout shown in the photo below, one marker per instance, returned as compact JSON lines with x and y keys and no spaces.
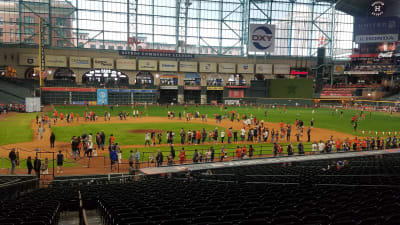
{"x":192,"y":88}
{"x":168,"y":89}
{"x":215,"y":89}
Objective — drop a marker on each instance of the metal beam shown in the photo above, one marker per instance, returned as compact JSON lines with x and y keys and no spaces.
{"x":212,"y":48}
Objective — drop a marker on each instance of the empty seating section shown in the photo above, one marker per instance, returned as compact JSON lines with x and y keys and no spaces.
{"x":344,"y":90}
{"x":13,"y":186}
{"x":360,"y":191}
{"x":16,"y":89}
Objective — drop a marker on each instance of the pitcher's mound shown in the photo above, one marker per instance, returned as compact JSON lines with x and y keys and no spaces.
{"x":143,"y":131}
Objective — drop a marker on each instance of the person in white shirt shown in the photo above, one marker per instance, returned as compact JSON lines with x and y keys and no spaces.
{"x":314,"y":147}
{"x":242,"y":134}
{"x":266,"y":134}
{"x":222,"y":136}
{"x":321,"y":146}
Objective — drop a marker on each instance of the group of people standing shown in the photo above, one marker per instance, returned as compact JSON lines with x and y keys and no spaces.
{"x":36,"y":165}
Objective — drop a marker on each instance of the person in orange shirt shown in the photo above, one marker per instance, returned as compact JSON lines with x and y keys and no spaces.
{"x":77,"y":117}
{"x":112,"y":139}
{"x":72,"y":117}
{"x":198,"y":136}
{"x":61,"y":116}
{"x":364,"y":145}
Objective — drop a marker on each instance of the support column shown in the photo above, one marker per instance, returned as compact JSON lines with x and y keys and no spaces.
{"x":181,"y":97}
{"x":203,"y":95}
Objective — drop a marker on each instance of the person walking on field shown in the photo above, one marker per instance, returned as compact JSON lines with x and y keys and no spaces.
{"x":13,"y":159}
{"x":52,"y":139}
{"x":147,"y":139}
{"x":40,"y":132}
{"x":60,"y":162}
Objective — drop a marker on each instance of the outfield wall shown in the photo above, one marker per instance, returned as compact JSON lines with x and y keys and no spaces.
{"x":298,"y":88}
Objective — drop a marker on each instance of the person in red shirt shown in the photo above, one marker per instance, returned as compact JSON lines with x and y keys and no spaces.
{"x":281,"y":125}
{"x":238,"y":152}
{"x":77,"y":117}
{"x":338,"y":145}
{"x":244,"y":151}
{"x":61,"y":116}
{"x":229,"y":135}
{"x":72,"y":117}
{"x":182,"y":156}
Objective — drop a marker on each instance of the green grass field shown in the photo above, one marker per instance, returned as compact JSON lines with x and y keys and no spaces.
{"x":122,"y":133}
{"x":323,"y":117}
{"x":16,"y":129}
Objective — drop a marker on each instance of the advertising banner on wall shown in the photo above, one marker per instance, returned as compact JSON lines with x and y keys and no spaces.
{"x":148,"y":65}
{"x":376,"y":38}
{"x":208,"y":67}
{"x":79,"y":62}
{"x":126,"y":64}
{"x":376,"y":29}
{"x":56,"y":61}
{"x":245,"y":68}
{"x":188,"y":66}
{"x":171,"y":66}
{"x":158,"y":53}
{"x":103,"y":63}
{"x":227,"y":67}
{"x":28,"y":60}
{"x":261,"y":38}
{"x":281,"y":69}
{"x":102,"y":97}
{"x":264,"y":68}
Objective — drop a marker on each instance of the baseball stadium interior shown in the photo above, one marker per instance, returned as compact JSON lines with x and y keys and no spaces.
{"x":256,"y":57}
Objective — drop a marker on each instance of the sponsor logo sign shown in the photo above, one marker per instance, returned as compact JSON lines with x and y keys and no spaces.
{"x":148,"y":65}
{"x":56,"y":61}
{"x":126,"y":64}
{"x":188,"y":66}
{"x":262,"y":38}
{"x":168,"y":66}
{"x":245,"y":68}
{"x":227,"y":68}
{"x":208,"y":67}
{"x":103,"y":63}
{"x":79,"y":62}
{"x":264,"y":68}
{"x":28,"y":60}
